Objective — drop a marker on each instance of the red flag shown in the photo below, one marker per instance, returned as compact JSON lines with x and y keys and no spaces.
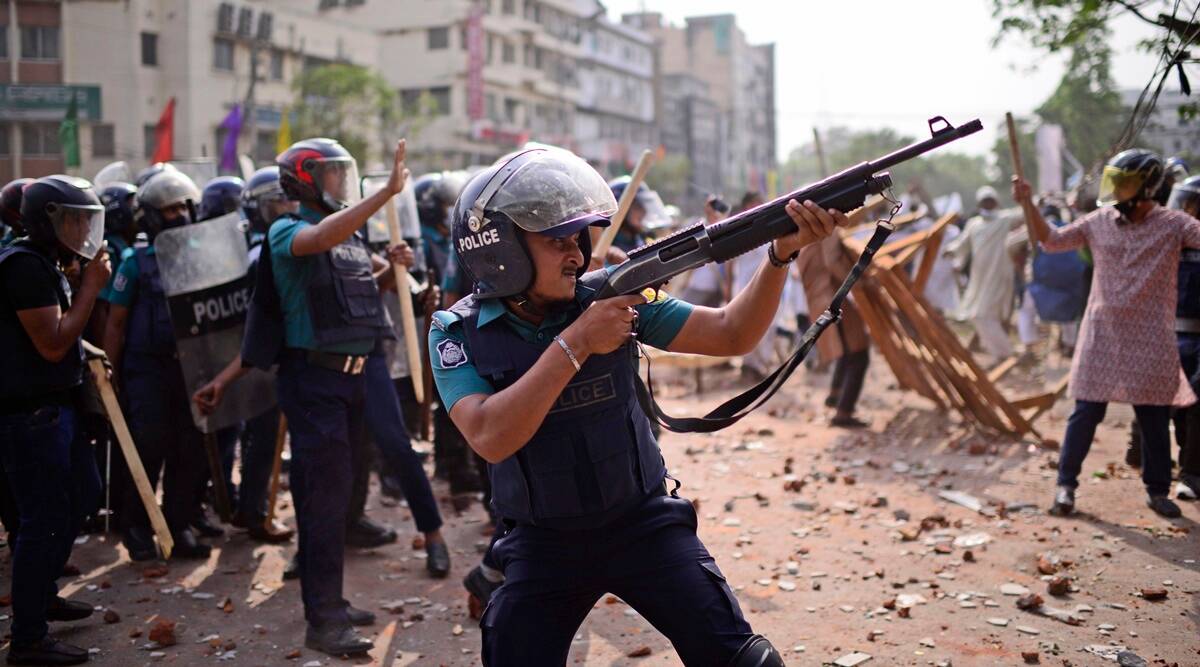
{"x":164,"y":134}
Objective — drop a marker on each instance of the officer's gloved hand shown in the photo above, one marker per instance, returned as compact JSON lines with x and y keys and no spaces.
{"x":606,"y":325}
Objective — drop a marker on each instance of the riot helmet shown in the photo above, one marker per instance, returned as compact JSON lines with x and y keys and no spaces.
{"x":1174,"y":171}
{"x":1130,"y":177}
{"x":546,"y":191}
{"x":10,"y":204}
{"x":655,"y":214}
{"x":1185,"y":196}
{"x":263,"y":199}
{"x":150,"y":172}
{"x":319,"y":171}
{"x":118,"y":200}
{"x":64,"y":211}
{"x":221,"y":195}
{"x":436,"y":194}
{"x":165,"y":201}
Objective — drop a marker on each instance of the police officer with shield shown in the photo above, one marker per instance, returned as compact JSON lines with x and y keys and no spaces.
{"x":539,"y":377}
{"x":48,"y":465}
{"x":140,"y":341}
{"x":332,"y":317}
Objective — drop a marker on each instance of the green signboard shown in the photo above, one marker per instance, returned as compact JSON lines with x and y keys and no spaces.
{"x":32,"y":101}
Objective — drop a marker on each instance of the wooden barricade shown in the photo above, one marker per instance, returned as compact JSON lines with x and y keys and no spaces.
{"x":924,"y":354}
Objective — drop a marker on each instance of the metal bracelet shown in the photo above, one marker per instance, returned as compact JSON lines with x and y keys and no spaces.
{"x":570,"y":355}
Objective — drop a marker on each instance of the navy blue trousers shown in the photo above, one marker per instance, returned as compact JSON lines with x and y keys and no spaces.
{"x":258,"y":455}
{"x":385,"y":420}
{"x":651,"y":558}
{"x":52,"y":473}
{"x":324,"y":410}
{"x":1154,"y":421}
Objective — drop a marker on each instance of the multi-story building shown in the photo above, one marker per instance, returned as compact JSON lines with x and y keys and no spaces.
{"x":1166,"y":130}
{"x":740,"y":78}
{"x":697,"y":131}
{"x":125,"y":60}
{"x":500,"y":72}
{"x":616,"y":118}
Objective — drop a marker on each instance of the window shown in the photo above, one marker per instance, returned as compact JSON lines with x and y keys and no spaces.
{"x":276,"y":65}
{"x":150,"y":49}
{"x":223,"y":54}
{"x":39,"y":42}
{"x":512,"y":108}
{"x":103,"y":141}
{"x":40,"y":139}
{"x":3,"y":41}
{"x":264,"y":146}
{"x":508,"y":6}
{"x":149,"y":139}
{"x":412,"y":99}
{"x":508,"y":53}
{"x":5,"y":133}
{"x":441,"y":97}
{"x":439,"y":38}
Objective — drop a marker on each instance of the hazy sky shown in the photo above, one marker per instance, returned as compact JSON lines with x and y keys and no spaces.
{"x":871,"y":63}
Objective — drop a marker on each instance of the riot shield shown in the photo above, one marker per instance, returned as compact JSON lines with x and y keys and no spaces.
{"x":113,"y":172}
{"x":200,"y":169}
{"x":205,"y":274}
{"x":406,"y":209}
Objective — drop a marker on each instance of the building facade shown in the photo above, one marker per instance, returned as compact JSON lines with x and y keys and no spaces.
{"x":617,"y":114}
{"x":1166,"y":130}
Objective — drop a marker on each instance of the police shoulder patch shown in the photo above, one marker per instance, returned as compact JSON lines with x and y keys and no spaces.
{"x":119,"y":282}
{"x":451,"y":354}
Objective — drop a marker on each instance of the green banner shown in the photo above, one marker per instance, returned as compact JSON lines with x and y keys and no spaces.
{"x":30,"y":101}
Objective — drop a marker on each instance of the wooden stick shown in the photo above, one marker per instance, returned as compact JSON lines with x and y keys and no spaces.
{"x":276,"y":468}
{"x":408,"y":320}
{"x":1015,"y":150}
{"x":217,"y":472}
{"x":635,"y":181}
{"x":125,"y":439}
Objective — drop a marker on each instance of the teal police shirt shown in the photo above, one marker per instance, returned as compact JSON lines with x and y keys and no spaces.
{"x":122,"y":285}
{"x":292,"y":276}
{"x":454,"y":370}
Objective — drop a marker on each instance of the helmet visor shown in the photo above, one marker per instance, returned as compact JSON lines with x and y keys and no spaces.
{"x":553,"y":189}
{"x":1118,"y":185}
{"x":337,"y":178}
{"x":79,"y":228}
{"x":1184,"y":198}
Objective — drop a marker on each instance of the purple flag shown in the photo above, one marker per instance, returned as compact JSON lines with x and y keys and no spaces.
{"x":233,"y":127}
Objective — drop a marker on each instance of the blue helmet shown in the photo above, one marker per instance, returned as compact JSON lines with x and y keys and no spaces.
{"x":656,"y":213}
{"x":221,"y":195}
{"x":542,"y":191}
{"x":436,"y":193}
{"x":262,"y":187}
{"x":118,"y":200}
{"x":1185,"y":196}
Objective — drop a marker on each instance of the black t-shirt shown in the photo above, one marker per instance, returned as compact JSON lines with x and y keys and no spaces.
{"x":27,"y":282}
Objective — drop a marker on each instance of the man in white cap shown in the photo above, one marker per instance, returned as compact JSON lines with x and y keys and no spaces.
{"x":988,"y":299}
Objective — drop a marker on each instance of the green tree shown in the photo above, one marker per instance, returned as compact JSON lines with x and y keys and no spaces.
{"x":1087,"y":105}
{"x":669,"y":178}
{"x":346,"y":102}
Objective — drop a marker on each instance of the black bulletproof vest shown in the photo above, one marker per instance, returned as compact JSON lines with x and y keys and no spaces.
{"x":149,"y":331}
{"x":1188,"y":305}
{"x":28,"y":374}
{"x":343,"y":298}
{"x":594,"y":454}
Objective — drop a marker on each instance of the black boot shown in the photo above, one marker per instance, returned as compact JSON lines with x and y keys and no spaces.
{"x":359,"y":616}
{"x":48,"y":651}
{"x":336,"y":640}
{"x":187,"y":546}
{"x":62,"y":609}
{"x":205,"y":526}
{"x":365,"y":534}
{"x":437,"y":559}
{"x":139,"y":542}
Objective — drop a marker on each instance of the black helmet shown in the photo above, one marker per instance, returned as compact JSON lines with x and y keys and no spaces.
{"x":221,"y":195}
{"x":10,"y":204}
{"x":150,"y":172}
{"x":262,"y":188}
{"x":542,"y":190}
{"x":118,"y":199}
{"x":319,"y":171}
{"x":169,"y":189}
{"x":64,"y":210}
{"x":1185,"y":196}
{"x":656,"y":215}
{"x":1130,"y":176}
{"x":436,"y":193}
